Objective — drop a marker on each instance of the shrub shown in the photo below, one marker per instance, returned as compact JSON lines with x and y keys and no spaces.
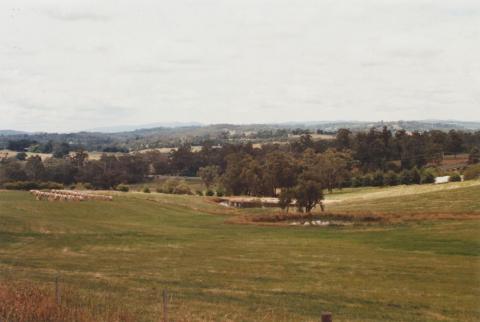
{"x":405,"y":177}
{"x":51,"y":185}
{"x":428,"y":177}
{"x":474,"y":156}
{"x":367,"y":180}
{"x":378,"y":179}
{"x":170,"y":185}
{"x":357,"y":182}
{"x":21,"y":185}
{"x":160,"y":190}
{"x":220,"y":193}
{"x":436,"y":172}
{"x":391,"y":178}
{"x":122,"y":187}
{"x":455,"y":178}
{"x":392,"y":166}
{"x":182,"y":189}
{"x":416,"y":177}
{"x":472,"y":172}
{"x":209,"y":193}
{"x":21,"y":156}
{"x":88,"y":186}
{"x":29,"y":185}
{"x":346,"y":183}
{"x":199,"y":193}
{"x":146,"y":190}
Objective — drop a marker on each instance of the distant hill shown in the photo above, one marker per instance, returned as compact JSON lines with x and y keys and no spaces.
{"x":129,"y":128}
{"x":148,"y":136}
{"x":421,"y":125}
{"x":11,"y":132}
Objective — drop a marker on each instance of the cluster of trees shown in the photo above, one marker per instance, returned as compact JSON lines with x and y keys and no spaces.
{"x":105,"y":173}
{"x":375,"y":149}
{"x":299,"y":170}
{"x":58,"y":150}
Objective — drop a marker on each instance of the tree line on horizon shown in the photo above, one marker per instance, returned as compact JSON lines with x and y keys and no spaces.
{"x":300,"y":169}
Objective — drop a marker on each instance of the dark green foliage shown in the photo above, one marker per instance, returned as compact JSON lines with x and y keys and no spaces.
{"x":406,"y":177}
{"x":367,"y":180}
{"x":110,"y":170}
{"x":286,"y":197}
{"x":378,"y":179}
{"x":416,"y":176}
{"x":428,"y":177}
{"x":12,"y":170}
{"x":305,"y":142}
{"x":29,"y":185}
{"x":391,"y":179}
{"x":122,"y":187}
{"x":454,"y":142}
{"x":357,"y":182}
{"x":115,"y":149}
{"x":174,"y":186}
{"x":35,"y":169}
{"x":472,"y":172}
{"x":347,"y":182}
{"x":146,"y":190}
{"x":88,"y":186}
{"x":474,"y":156}
{"x":243,"y":169}
{"x":169,"y":186}
{"x":392,"y":166}
{"x":209,"y":193}
{"x":21,"y":156}
{"x":182,"y":189}
{"x":455,"y":178}
{"x":21,"y":185}
{"x":308,"y":194}
{"x":45,"y":148}
{"x":20,"y":145}
{"x":209,"y":174}
{"x":183,"y":161}
{"x":61,"y":150}
{"x":344,"y":139}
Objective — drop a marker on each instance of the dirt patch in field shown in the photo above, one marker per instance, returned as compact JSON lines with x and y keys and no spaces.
{"x":295,"y":219}
{"x":344,"y":219}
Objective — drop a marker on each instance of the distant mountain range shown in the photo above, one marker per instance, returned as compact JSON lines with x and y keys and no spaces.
{"x":159,"y":135}
{"x":11,"y":132}
{"x":129,"y":128}
{"x":162,"y":127}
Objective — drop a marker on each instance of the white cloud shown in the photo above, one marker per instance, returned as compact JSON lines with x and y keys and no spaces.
{"x":82,"y":64}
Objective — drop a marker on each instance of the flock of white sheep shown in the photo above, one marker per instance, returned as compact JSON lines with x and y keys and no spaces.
{"x":68,"y":195}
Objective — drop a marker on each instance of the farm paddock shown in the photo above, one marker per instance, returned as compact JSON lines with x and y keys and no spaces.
{"x":128,"y":250}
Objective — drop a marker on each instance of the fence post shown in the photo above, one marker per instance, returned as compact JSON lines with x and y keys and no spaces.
{"x":58,"y":291}
{"x":326,"y":317}
{"x":165,"y":306}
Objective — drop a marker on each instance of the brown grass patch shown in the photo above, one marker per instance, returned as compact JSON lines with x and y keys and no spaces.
{"x":357,"y":218}
{"x":22,"y":302}
{"x":282,"y":218}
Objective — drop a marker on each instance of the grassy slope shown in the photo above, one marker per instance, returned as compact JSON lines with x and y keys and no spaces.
{"x":452,"y":198}
{"x":133,"y":247}
{"x":368,"y":193}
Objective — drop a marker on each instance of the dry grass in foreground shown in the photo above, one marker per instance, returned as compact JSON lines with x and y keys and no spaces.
{"x":26,"y":302}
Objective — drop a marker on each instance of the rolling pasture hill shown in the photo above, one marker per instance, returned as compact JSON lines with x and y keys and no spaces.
{"x":419,"y":267}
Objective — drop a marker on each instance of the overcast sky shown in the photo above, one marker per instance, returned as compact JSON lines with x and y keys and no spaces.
{"x":71,"y":65}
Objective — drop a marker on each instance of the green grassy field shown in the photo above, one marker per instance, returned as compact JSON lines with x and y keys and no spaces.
{"x":453,"y":198}
{"x":132,"y":248}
